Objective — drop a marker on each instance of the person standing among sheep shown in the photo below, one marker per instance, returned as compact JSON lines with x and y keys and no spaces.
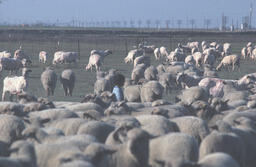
{"x":119,"y":83}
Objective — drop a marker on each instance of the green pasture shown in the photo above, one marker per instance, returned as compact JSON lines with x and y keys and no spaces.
{"x":34,"y":42}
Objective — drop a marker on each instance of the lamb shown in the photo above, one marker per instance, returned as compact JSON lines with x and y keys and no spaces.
{"x":67,"y":78}
{"x":43,"y":56}
{"x":96,"y":59}
{"x":15,"y":85}
{"x":48,"y":80}
{"x":230,"y":60}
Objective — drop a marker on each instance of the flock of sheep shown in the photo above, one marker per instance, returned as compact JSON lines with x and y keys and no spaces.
{"x":212,"y":122}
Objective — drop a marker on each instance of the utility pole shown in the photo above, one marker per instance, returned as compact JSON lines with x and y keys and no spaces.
{"x":250,"y":16}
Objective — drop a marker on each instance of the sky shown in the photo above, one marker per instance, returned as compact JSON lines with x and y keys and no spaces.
{"x":27,"y":11}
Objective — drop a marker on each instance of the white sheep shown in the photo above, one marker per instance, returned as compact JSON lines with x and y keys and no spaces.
{"x":141,"y":60}
{"x":132,"y":54}
{"x":244,"y":52}
{"x":43,"y":56}
{"x":163,"y":51}
{"x":227,"y":48}
{"x":96,"y":59}
{"x":64,"y":57}
{"x":15,"y":84}
{"x":5,"y":54}
{"x":198,"y":57}
{"x":157,"y":53}
{"x":189,"y":60}
{"x":249,"y":44}
{"x":249,"y":51}
{"x":230,"y":60}
{"x":253,"y":55}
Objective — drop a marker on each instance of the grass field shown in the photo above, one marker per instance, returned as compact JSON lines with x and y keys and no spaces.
{"x":35,"y":41}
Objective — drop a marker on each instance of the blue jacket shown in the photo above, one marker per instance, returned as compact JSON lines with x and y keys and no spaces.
{"x":118,"y":93}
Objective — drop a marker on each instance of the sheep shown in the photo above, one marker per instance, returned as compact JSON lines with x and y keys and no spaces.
{"x":22,"y":155}
{"x":148,"y":49}
{"x":62,"y":57}
{"x":230,"y":60}
{"x":157,"y":53}
{"x":189,"y":60}
{"x":188,"y":80}
{"x":96,"y":59}
{"x":150,"y":73}
{"x":209,"y":59}
{"x":194,"y":50}
{"x":219,"y":159}
{"x":102,"y":85}
{"x":249,"y":44}
{"x":138,"y":73}
{"x":193,"y":126}
{"x":194,"y":44}
{"x":43,"y":56}
{"x":173,"y":148}
{"x":20,"y":54}
{"x":176,"y":56}
{"x":156,"y":125}
{"x":10,"y":64}
{"x":5,"y":54}
{"x":244,"y":52}
{"x":253,"y":54}
{"x":11,"y":128}
{"x":249,"y":51}
{"x":151,"y":91}
{"x":132,"y":54}
{"x":67,"y":78}
{"x":141,"y":60}
{"x":15,"y":85}
{"x":132,"y":153}
{"x":198,"y":57}
{"x":48,"y":80}
{"x":227,"y":48}
{"x":163,"y":51}
{"x":228,"y":143}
